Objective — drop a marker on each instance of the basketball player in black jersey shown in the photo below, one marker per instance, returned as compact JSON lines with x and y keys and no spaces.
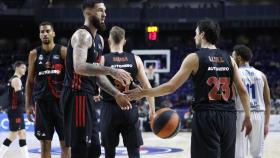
{"x":82,"y":76}
{"x":114,"y":120}
{"x":213,"y":72}
{"x":15,"y":111}
{"x":44,"y":83}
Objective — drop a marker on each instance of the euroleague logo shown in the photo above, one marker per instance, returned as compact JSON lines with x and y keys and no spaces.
{"x":121,"y":151}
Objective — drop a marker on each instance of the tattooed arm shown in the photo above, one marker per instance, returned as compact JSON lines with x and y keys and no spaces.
{"x":121,"y":99}
{"x":104,"y":83}
{"x":81,"y":41}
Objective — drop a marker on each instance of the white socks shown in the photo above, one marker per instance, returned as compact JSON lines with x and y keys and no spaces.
{"x":3,"y":150}
{"x":24,"y":151}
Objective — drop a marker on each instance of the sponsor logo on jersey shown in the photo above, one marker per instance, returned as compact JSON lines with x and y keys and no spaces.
{"x":120,"y":59}
{"x":122,"y":66}
{"x":214,"y":68}
{"x":48,"y":72}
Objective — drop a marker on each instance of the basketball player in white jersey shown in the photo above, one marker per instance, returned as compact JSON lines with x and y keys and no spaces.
{"x":259,"y":93}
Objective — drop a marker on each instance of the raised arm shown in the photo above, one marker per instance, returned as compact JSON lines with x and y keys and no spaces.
{"x":189,"y":65}
{"x":142,"y":78}
{"x":266,"y":96}
{"x":244,"y":97}
{"x":30,"y":84}
{"x":81,"y":41}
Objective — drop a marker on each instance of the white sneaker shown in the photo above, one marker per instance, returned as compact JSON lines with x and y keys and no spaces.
{"x":3,"y":150}
{"x":24,"y":151}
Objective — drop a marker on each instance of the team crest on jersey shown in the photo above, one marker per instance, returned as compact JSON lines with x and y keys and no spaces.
{"x":122,"y":151}
{"x":41,"y":57}
{"x":99,"y":46}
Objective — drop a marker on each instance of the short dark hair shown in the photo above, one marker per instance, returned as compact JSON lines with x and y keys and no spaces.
{"x":117,"y":33}
{"x":44,"y":23}
{"x":211,"y":30}
{"x":90,"y":3}
{"x":18,"y":64}
{"x":243,"y":51}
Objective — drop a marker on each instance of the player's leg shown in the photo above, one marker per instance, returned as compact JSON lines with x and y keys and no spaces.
{"x":109,"y":130}
{"x":95,"y":147}
{"x":228,"y":133}
{"x":7,"y":142}
{"x":45,"y":148}
{"x":257,"y":135}
{"x":57,"y":120}
{"x":241,"y":144}
{"x":205,"y":139}
{"x":132,"y":137}
{"x":14,"y":124}
{"x":44,"y":126}
{"x":22,"y":143}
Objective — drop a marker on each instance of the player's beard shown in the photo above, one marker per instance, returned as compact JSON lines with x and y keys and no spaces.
{"x":46,"y":41}
{"x":97,"y":23}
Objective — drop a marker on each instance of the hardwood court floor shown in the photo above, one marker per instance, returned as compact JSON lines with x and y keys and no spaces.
{"x":151,"y":144}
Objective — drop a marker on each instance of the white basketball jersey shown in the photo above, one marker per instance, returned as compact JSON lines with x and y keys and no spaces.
{"x":253,"y":81}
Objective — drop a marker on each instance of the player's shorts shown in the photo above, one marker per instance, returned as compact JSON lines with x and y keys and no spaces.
{"x":80,"y":118}
{"x":255,"y":139}
{"x":114,"y":121}
{"x":16,"y":120}
{"x":213,"y":134}
{"x":49,"y":118}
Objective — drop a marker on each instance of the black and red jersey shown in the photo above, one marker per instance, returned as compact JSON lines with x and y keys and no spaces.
{"x":213,"y":81}
{"x":49,"y":73}
{"x":125,"y":61}
{"x":14,"y":103}
{"x":79,"y":82}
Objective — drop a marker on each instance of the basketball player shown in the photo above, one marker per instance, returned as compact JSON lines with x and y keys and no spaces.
{"x":114,"y":120}
{"x":258,"y":89}
{"x":213,"y":72}
{"x":81,"y":78}
{"x":44,"y":82}
{"x":15,"y":112}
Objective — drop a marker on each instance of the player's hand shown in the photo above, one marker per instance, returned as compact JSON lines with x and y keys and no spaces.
{"x":30,"y":113}
{"x":265,"y":130}
{"x":123,"y":101}
{"x":248,"y":125}
{"x":97,"y":98}
{"x":135,"y":94}
{"x":122,"y":76}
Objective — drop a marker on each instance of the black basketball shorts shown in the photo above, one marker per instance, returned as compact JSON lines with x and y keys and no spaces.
{"x":49,"y":118}
{"x":80,"y":118}
{"x":114,"y":121}
{"x":16,"y":120}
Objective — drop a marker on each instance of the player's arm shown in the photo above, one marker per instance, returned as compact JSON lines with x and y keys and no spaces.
{"x":189,"y":64}
{"x":81,"y":41}
{"x":17,"y":85}
{"x":142,"y":78}
{"x":63,"y":53}
{"x":30,"y":84}
{"x":244,"y":97}
{"x":266,"y":96}
{"x":104,"y":83}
